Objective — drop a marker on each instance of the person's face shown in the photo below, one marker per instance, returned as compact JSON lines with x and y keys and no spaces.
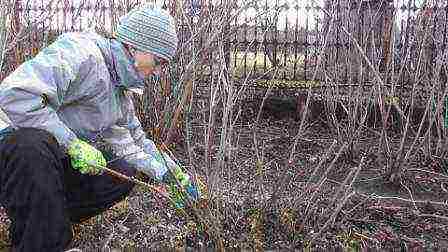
{"x":147,"y":64}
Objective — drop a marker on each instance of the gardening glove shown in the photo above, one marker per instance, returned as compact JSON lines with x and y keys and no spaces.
{"x":86,"y":158}
{"x":177,"y":194}
{"x":166,"y":171}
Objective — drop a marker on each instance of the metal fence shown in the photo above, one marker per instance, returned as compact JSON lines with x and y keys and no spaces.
{"x":385,"y":31}
{"x":48,"y":19}
{"x":279,"y":35}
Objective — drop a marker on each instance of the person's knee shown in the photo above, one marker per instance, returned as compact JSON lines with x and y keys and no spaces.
{"x":33,"y":142}
{"x":30,"y":162}
{"x":31,"y":135}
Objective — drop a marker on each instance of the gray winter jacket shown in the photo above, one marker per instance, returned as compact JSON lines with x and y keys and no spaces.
{"x":78,"y":87}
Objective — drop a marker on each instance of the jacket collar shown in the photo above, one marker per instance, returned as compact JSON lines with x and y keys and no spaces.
{"x":127,"y":75}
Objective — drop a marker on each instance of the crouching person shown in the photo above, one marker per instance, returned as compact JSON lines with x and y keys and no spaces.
{"x":69,"y":114}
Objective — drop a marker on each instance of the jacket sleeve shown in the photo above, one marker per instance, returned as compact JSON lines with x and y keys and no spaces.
{"x":32,"y":94}
{"x":135,"y":128}
{"x":129,"y":142}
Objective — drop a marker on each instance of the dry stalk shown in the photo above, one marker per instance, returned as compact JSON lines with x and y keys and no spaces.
{"x":34,"y":25}
{"x":219,"y":24}
{"x":311,"y":200}
{"x":436,"y":174}
{"x":335,"y":159}
{"x":221,"y":91}
{"x":313,"y":175}
{"x":380,"y":83}
{"x":352,"y":132}
{"x":318,"y":63}
{"x":353,"y":175}
{"x":410,"y":151}
{"x":4,"y":30}
{"x":399,"y":159}
{"x":410,"y":195}
{"x":299,"y":135}
{"x":437,"y":111}
{"x":333,"y":216}
{"x":180,"y":107}
{"x":378,"y":197}
{"x":345,"y":185}
{"x":209,"y":136}
{"x":260,"y":157}
{"x":200,"y":212}
{"x":423,"y":202}
{"x":230,"y":96}
{"x":8,"y":41}
{"x":331,"y":221}
{"x":435,"y":216}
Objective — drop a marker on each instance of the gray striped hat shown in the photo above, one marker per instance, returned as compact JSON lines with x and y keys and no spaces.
{"x":149,"y":29}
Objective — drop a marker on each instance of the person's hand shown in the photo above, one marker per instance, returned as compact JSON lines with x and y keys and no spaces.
{"x":86,"y":158}
{"x":178,"y":194}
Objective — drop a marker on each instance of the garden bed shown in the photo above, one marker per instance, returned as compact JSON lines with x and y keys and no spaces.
{"x":377,"y":215}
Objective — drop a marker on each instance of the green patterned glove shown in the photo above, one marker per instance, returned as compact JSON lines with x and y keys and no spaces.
{"x":175,"y":193}
{"x":86,"y":158}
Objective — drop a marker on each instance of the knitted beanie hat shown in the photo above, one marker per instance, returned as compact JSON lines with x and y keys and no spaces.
{"x":149,"y":29}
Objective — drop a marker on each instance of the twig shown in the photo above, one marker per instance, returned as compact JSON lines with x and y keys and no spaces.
{"x":311,"y":200}
{"x":374,"y":196}
{"x":440,"y":175}
{"x":355,"y":171}
{"x":442,"y":186}
{"x":332,"y":217}
{"x":174,"y":121}
{"x":308,"y":183}
{"x":445,"y":218}
{"x":74,"y":250}
{"x":109,"y":238}
{"x":410,"y":194}
{"x":355,"y":207}
{"x":445,"y":204}
{"x":362,"y":236}
{"x":353,"y":175}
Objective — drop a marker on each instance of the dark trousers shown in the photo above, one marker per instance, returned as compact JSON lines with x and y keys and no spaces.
{"x":43,"y":194}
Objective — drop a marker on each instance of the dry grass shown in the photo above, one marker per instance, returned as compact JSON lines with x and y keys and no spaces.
{"x":243,"y":63}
